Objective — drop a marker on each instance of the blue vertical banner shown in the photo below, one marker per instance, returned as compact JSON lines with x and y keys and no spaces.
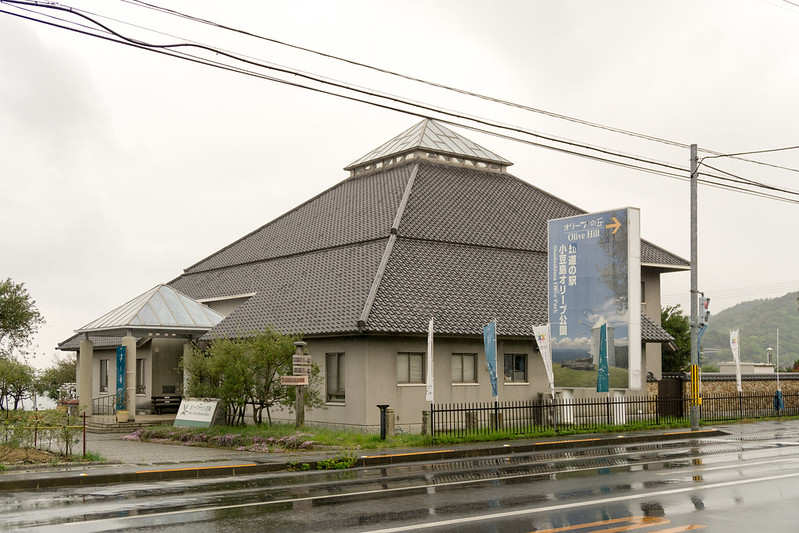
{"x":490,"y":343}
{"x":121,"y":368}
{"x":602,"y":376}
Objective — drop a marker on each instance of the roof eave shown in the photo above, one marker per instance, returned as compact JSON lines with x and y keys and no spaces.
{"x":670,"y":268}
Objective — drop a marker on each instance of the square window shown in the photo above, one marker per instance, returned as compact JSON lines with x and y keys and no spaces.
{"x":464,"y":368}
{"x":516,"y":367}
{"x":410,"y":367}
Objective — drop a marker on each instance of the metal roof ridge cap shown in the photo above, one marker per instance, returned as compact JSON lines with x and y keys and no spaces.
{"x":405,"y":196}
{"x":381,"y":269}
{"x":263,"y":226}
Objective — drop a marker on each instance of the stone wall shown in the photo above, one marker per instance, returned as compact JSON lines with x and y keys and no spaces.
{"x":763,"y":385}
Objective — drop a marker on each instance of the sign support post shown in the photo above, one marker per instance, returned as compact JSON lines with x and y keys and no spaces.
{"x":299,"y":391}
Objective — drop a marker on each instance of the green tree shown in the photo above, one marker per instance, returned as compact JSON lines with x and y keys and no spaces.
{"x":63,"y":370}
{"x":246,"y":371}
{"x":17,"y":382}
{"x":678,"y":326}
{"x":19,"y":319}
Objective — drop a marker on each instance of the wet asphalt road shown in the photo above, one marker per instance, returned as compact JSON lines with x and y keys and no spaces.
{"x":740,"y":482}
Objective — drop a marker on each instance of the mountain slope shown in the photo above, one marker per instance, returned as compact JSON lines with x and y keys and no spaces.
{"x":758,"y":322}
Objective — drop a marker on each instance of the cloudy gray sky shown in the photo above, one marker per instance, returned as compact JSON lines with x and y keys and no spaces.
{"x":119,"y":167}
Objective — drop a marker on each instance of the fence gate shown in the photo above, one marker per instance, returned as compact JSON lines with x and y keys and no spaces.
{"x":670,"y":397}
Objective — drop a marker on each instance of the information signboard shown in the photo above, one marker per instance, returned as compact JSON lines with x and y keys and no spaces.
{"x":294,"y":380}
{"x":196,"y":413}
{"x":595,"y":279}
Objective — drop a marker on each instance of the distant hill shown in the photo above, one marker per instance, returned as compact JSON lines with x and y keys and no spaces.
{"x":758,"y":321}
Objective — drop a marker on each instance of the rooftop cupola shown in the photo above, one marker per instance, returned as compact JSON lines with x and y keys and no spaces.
{"x":432,"y":141}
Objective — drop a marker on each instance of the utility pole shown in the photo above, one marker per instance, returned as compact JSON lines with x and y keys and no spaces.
{"x":696,"y":400}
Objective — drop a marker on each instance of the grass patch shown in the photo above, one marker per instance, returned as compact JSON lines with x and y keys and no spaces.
{"x":275,"y":438}
{"x":569,"y":377}
{"x":286,"y":437}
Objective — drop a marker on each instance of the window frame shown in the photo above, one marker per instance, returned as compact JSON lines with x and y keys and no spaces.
{"x":141,"y":386}
{"x":104,"y":375}
{"x":509,"y":371}
{"x":410,"y":356}
{"x":339,"y":396}
{"x":462,"y":356}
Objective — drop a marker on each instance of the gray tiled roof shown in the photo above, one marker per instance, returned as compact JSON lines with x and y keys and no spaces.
{"x":312,"y":293}
{"x":462,"y":287}
{"x":355,"y":210}
{"x":652,"y":332}
{"x":462,"y":205}
{"x":98,"y":342}
{"x":73,"y":343}
{"x":470,"y":246}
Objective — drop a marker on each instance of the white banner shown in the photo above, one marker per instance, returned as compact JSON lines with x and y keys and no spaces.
{"x":542,"y":338}
{"x":736,"y":357}
{"x":429,"y":394}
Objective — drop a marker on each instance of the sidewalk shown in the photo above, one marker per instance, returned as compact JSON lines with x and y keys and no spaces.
{"x":133,"y":461}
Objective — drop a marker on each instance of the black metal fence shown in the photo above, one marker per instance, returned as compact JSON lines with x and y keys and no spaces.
{"x":589,"y":414}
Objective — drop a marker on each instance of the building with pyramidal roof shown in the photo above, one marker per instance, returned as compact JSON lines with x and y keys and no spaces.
{"x":427,"y":225}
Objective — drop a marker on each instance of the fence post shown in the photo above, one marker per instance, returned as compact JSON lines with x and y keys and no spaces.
{"x":433,"y":422}
{"x":607,"y":409}
{"x":657,"y":408}
{"x":555,"y":413}
{"x":84,"y":434}
{"x":740,"y":405}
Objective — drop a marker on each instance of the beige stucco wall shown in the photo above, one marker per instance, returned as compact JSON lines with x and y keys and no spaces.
{"x":371,"y":379}
{"x":651,"y":307}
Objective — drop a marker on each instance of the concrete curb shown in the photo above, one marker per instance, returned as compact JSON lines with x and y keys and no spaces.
{"x":92,"y":475}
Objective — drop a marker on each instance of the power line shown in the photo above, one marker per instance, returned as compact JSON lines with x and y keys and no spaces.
{"x":344,"y":86}
{"x":737,"y":292}
{"x":453,"y":89}
{"x":752,"y":182}
{"x":171,"y":50}
{"x":754,"y":152}
{"x":408,"y":77}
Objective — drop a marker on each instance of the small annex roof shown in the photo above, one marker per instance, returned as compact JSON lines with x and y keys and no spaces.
{"x":433,"y":141}
{"x":161,"y":311}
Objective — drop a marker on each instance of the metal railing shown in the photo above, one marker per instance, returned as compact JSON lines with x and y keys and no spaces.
{"x":593,"y":413}
{"x":104,"y":405}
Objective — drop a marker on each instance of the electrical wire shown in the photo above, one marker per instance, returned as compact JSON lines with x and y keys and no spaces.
{"x":341,"y":85}
{"x":751,"y":182}
{"x":453,"y":89}
{"x":171,"y":50}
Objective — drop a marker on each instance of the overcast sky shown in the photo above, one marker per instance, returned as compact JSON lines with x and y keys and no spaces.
{"x":120,"y":167}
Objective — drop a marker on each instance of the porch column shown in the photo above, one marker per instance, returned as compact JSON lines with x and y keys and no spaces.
{"x":129,"y":342}
{"x":187,"y":348}
{"x":85,"y":358}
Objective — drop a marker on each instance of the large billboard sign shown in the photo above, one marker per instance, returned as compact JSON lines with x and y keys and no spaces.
{"x":595,"y":279}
